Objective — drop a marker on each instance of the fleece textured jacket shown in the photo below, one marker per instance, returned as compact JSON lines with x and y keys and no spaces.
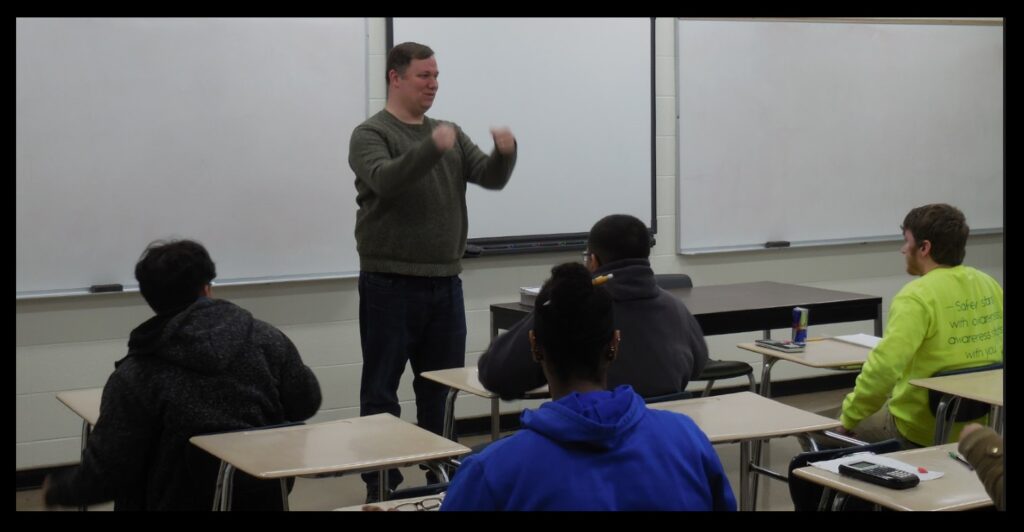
{"x":983,"y":448}
{"x":412,"y":217}
{"x":209,"y":368}
{"x":662,"y":345}
{"x":595,"y":451}
{"x":949,"y":318}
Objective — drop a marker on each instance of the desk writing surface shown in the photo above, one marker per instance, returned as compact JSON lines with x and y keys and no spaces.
{"x":347,"y":445}
{"x":958,"y":489}
{"x":984,"y":386}
{"x":85,"y":403}
{"x":825,"y":353}
{"x":468,"y":380}
{"x":745,"y":416}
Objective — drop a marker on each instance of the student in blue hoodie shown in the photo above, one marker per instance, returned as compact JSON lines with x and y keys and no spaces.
{"x":590,"y":448}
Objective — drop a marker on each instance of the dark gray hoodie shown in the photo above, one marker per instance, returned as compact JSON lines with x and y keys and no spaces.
{"x":210,"y":368}
{"x":662,"y":344}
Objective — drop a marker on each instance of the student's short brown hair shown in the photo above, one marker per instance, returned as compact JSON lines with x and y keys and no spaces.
{"x":944,"y":226}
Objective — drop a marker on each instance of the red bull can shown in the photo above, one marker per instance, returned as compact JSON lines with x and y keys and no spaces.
{"x":799,"y":325}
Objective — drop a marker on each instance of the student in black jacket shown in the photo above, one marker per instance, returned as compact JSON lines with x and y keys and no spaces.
{"x":662,"y":343}
{"x":199,"y":366}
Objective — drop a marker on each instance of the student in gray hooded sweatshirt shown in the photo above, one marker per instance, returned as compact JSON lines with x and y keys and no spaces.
{"x":662,"y":343}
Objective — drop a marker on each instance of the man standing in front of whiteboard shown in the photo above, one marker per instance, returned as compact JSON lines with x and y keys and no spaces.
{"x":411,"y":227}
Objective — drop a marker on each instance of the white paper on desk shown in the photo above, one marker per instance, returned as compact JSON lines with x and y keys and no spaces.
{"x":861,"y":339}
{"x":833,"y":465}
{"x":528,"y":295}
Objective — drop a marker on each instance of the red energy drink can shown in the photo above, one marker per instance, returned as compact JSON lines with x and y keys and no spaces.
{"x":799,"y":325}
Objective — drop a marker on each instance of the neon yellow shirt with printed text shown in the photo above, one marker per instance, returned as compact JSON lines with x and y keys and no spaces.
{"x":949,"y":318}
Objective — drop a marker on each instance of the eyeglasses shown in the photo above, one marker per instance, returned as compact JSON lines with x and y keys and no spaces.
{"x":423,"y":505}
{"x":586,"y":257}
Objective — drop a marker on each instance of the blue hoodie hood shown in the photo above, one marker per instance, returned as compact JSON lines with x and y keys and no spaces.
{"x":599,"y":419}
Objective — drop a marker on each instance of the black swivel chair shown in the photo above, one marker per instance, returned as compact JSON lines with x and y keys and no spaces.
{"x":714,"y":369}
{"x":956,"y":409}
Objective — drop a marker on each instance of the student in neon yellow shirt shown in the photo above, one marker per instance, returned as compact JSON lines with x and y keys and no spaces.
{"x":951,"y":317}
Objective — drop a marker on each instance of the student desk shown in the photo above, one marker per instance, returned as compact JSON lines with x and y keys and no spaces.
{"x":743,"y":307}
{"x":958,"y":489}
{"x":85,"y":403}
{"x":983,"y":386}
{"x":744,"y":417}
{"x":468,"y":380}
{"x":819,"y":353}
{"x":354,"y":445}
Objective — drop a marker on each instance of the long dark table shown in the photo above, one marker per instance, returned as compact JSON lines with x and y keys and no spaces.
{"x":742,"y":307}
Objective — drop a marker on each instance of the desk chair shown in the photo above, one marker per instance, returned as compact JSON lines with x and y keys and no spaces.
{"x":714,"y":369}
{"x":668,"y":397}
{"x":807,"y":496}
{"x":955,"y":409}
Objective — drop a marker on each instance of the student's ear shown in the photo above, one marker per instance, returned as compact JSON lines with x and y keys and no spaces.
{"x":534,"y":348}
{"x":926,"y":248}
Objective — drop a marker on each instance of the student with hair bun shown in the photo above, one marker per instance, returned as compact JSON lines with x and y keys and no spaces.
{"x":590,"y":448}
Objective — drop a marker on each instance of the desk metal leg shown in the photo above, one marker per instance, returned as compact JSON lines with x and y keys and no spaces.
{"x":826,"y":496}
{"x":878,"y":321}
{"x":219,"y":486}
{"x":946,"y":410}
{"x":85,"y":438}
{"x":229,"y":487}
{"x":495,"y":419}
{"x":766,"y":375}
{"x":382,"y":485}
{"x":995,"y":417}
{"x":766,"y":390}
{"x":284,"y":494}
{"x":449,"y":415}
{"x":744,"y":474}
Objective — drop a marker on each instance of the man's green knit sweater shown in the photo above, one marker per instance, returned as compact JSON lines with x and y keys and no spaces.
{"x":412,"y":216}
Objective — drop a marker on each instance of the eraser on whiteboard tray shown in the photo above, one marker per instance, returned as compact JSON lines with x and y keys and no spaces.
{"x":101,"y":288}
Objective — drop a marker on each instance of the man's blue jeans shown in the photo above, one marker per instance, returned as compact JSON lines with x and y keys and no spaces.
{"x":402,"y":318}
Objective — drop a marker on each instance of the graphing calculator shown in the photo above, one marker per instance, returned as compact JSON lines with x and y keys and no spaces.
{"x":880,"y":474}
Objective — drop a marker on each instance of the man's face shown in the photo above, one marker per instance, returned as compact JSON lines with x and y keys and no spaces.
{"x":417,"y":87}
{"x":912,"y":252}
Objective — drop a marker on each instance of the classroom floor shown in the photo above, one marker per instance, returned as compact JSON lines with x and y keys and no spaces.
{"x":331,"y":493}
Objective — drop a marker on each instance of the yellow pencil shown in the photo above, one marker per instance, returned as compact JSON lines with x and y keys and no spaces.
{"x":601,"y":279}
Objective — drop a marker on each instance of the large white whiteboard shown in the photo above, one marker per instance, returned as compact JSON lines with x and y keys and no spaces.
{"x":230,"y":131}
{"x":826,"y":132}
{"x":576,"y":92}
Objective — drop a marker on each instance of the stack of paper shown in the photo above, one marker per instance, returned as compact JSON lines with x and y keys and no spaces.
{"x":528,"y":295}
{"x":861,"y":339}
